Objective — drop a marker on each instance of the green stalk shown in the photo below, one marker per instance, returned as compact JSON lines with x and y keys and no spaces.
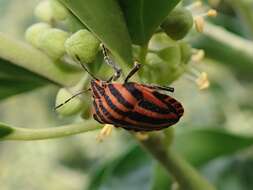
{"x":228,"y":48}
{"x":234,"y":41}
{"x":8,"y":132}
{"x":143,"y":53}
{"x":186,"y":176}
{"x":244,"y":10}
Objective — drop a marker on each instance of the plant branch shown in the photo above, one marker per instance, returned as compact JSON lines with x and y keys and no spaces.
{"x":228,"y":48}
{"x":230,"y":39}
{"x":185,"y":175}
{"x":244,"y":10}
{"x":32,"y":59}
{"x":143,"y":53}
{"x":16,"y":133}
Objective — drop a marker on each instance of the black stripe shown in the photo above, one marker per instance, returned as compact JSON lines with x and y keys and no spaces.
{"x":133,"y":90}
{"x":113,"y":120}
{"x":153,"y":107}
{"x":114,"y":107}
{"x":95,"y":116}
{"x":98,"y":114}
{"x":159,"y":95}
{"x":162,"y":98}
{"x":95,"y":93}
{"x":99,"y":88}
{"x":137,"y":128}
{"x":143,"y":128}
{"x":119,"y":97}
{"x":150,"y":120}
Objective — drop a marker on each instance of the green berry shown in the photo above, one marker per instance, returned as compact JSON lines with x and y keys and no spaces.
{"x":70,"y":108}
{"x":178,"y":23}
{"x":33,"y":33}
{"x":52,"y":42}
{"x":59,"y":12}
{"x":186,"y":52}
{"x":43,"y":11}
{"x":82,"y":44}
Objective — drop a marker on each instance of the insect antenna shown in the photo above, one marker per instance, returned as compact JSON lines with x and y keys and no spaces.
{"x":75,"y":95}
{"x":78,"y":60}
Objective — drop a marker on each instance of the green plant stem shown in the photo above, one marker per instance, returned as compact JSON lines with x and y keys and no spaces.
{"x":229,"y":49}
{"x":30,"y":58}
{"x":232,"y":40}
{"x":16,"y":133}
{"x":185,"y":175}
{"x":244,"y":9}
{"x":143,"y":53}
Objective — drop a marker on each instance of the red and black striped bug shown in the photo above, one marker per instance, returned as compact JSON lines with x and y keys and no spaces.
{"x":131,"y":105}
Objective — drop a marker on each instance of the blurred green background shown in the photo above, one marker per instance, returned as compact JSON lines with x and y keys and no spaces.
{"x":80,"y":162}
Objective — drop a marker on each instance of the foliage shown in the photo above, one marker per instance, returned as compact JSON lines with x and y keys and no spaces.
{"x":209,"y":149}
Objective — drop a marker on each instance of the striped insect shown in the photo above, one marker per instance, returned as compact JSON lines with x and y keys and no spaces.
{"x":131,"y":105}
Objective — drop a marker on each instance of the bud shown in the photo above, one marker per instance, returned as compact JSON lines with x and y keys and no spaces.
{"x":105,"y":132}
{"x":59,"y":12}
{"x":52,"y":42}
{"x":70,"y":108}
{"x":199,"y":20}
{"x":142,"y":136}
{"x":199,"y":23}
{"x":82,"y":44}
{"x":202,"y":81}
{"x":186,"y":52}
{"x":198,"y":56}
{"x":33,"y":33}
{"x":178,"y":23}
{"x":43,"y":11}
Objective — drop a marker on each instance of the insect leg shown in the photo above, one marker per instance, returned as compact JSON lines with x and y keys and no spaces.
{"x":165,"y":88}
{"x":136,"y":67}
{"x":75,"y":95}
{"x":110,"y":62}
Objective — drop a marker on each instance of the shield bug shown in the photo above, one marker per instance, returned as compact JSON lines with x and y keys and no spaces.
{"x":131,"y":105}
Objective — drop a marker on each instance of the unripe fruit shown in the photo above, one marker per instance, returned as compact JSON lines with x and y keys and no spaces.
{"x":178,"y":23}
{"x":171,"y":55}
{"x":33,"y":33}
{"x":70,"y":108}
{"x":82,"y":44}
{"x":43,"y":11}
{"x":59,"y":12}
{"x":52,"y":42}
{"x":186,"y":52}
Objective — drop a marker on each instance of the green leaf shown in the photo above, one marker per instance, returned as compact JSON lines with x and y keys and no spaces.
{"x":15,"y":80}
{"x":130,"y":171}
{"x":231,"y":173}
{"x":105,"y":20}
{"x":201,"y":145}
{"x":143,"y":17}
